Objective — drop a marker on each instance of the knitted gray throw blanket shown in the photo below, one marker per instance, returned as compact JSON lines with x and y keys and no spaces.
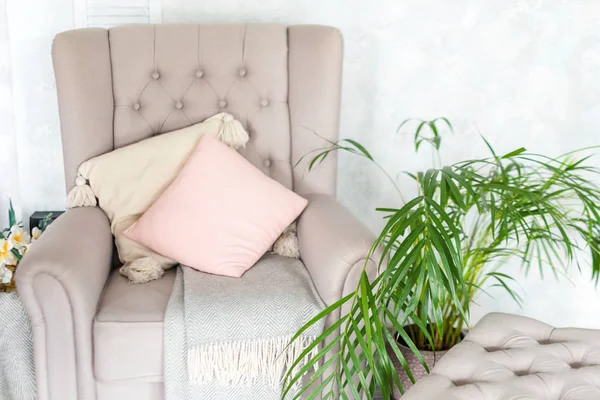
{"x":227,"y":338}
{"x":17,"y":370}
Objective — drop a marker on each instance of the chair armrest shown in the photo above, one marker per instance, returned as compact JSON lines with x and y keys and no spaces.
{"x":334,"y":246}
{"x":60,"y":281}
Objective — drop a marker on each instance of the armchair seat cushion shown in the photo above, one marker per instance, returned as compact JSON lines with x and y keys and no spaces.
{"x":128,"y":329}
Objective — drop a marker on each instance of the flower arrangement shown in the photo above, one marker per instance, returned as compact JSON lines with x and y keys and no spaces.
{"x":14,"y":243}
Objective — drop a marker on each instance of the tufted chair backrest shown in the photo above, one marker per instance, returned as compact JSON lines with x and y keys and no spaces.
{"x":122,"y":85}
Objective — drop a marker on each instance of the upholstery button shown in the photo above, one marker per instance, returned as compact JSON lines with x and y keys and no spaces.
{"x":243,"y":72}
{"x":222,"y":104}
{"x":199,"y":74}
{"x":179,"y":105}
{"x":136,"y":106}
{"x":264,"y":102}
{"x":155,"y":75}
{"x":267,"y":163}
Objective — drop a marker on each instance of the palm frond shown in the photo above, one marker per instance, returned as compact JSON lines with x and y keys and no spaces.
{"x":440,"y":249}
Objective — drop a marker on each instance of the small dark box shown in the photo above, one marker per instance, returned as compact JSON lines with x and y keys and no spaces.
{"x":38,"y":216}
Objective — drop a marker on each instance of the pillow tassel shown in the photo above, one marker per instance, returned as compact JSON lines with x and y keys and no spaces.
{"x":232,"y":132}
{"x":142,"y":270}
{"x":287,"y":244}
{"x":81,"y":195}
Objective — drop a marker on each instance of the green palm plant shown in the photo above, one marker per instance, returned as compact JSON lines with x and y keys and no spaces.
{"x":438,"y":250}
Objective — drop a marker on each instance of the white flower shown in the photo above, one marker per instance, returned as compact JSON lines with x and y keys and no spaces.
{"x":36,"y":233}
{"x":18,"y":238}
{"x":5,"y":274}
{"x":23,"y":249}
{"x":6,"y":255}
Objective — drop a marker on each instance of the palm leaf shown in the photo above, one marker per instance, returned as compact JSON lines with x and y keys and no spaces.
{"x":12,"y":220}
{"x":360,"y":148}
{"x":432,"y":261}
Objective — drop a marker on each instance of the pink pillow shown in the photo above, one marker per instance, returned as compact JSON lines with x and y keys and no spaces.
{"x":220,"y":214}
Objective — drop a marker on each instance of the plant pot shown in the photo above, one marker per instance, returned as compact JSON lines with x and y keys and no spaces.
{"x":418,"y":371}
{"x":415,"y":365}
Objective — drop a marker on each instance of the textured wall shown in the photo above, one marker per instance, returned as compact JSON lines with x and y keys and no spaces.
{"x":522,"y":72}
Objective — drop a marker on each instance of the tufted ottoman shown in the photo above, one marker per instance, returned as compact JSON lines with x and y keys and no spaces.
{"x":508,"y":357}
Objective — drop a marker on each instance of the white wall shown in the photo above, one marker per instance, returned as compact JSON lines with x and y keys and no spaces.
{"x":522,"y":72}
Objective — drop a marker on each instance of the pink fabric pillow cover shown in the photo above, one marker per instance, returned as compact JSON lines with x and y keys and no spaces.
{"x":219,"y":215}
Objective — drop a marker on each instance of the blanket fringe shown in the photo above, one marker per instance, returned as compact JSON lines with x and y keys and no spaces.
{"x":246,"y":362}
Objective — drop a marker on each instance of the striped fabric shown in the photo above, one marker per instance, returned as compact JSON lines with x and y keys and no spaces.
{"x":17,"y":372}
{"x":227,"y":338}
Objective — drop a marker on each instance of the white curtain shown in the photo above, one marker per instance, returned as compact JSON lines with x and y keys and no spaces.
{"x":30,"y":148}
{"x":31,"y":166}
{"x":9,"y":181}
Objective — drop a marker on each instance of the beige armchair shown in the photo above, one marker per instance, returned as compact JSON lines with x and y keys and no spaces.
{"x":96,"y":336}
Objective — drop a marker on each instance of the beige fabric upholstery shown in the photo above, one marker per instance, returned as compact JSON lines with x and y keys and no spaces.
{"x":84,"y":84}
{"x":118,"y":86}
{"x":60,"y":282}
{"x":170,"y":76}
{"x":315,"y":60}
{"x":329,"y":235}
{"x":131,"y":391}
{"x":129,"y":322}
{"x":512,"y":357}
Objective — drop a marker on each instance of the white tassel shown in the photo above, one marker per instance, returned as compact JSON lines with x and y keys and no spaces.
{"x":81,"y":195}
{"x":232,"y":133}
{"x":142,"y":270}
{"x":287,"y":244}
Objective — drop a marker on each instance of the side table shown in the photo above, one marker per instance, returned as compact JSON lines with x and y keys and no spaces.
{"x":38,"y":217}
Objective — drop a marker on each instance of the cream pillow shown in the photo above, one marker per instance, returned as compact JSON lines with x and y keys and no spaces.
{"x":128,"y":180}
